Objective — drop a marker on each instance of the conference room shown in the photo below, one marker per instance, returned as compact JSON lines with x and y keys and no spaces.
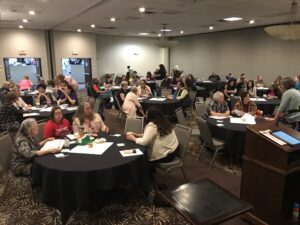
{"x":103,"y":92}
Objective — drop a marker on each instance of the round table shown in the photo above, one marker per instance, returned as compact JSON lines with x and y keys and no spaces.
{"x":233,"y":134}
{"x":208,"y":85}
{"x":68,"y":183}
{"x":267,"y":106}
{"x":168,"y":106}
{"x":260,"y":91}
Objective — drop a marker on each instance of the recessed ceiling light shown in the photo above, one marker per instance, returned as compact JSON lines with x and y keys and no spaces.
{"x":211,"y":27}
{"x":144,"y":34}
{"x":232,"y":19}
{"x":251,"y":21}
{"x":93,"y":25}
{"x":166,"y":30}
{"x":159,"y":35}
{"x":21,"y":27}
{"x":181,"y":31}
{"x":142,"y":9}
{"x":25,"y":21}
{"x":79,"y":30}
{"x":31,"y":12}
{"x":113,"y":19}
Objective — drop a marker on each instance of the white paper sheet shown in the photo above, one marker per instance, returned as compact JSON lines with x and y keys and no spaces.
{"x":157,"y":99}
{"x":71,"y":136}
{"x":30,"y":114}
{"x":138,"y":152}
{"x":258,"y":99}
{"x":72,"y":108}
{"x":58,"y":143}
{"x":48,"y":109}
{"x":218,"y":117}
{"x":97,"y":149}
{"x":262,"y":88}
{"x":116,"y":135}
{"x":245,"y":119}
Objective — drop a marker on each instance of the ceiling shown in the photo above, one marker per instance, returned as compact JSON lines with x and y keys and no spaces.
{"x":191,"y":16}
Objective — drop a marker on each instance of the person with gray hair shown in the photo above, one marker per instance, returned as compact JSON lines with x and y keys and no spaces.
{"x":218,"y":107}
{"x":26,"y":147}
{"x":131,"y":103}
{"x":290,"y":100}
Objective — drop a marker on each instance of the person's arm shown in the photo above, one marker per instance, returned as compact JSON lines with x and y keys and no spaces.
{"x":149,"y":134}
{"x":96,"y":88}
{"x":25,"y":149}
{"x":76,"y":124}
{"x":71,"y":99}
{"x":100,"y":124}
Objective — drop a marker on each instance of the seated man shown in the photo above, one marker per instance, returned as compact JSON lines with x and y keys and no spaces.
{"x":218,"y":107}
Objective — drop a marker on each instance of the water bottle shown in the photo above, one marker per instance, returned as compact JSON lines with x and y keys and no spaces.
{"x":155,"y":93}
{"x":295,"y":216}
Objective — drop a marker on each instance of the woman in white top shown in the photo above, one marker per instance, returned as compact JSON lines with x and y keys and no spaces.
{"x":19,"y":103}
{"x":144,"y":90}
{"x":131,"y":103}
{"x":159,"y":137}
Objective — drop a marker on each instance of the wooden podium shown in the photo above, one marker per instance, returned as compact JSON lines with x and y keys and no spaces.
{"x":270,"y":176}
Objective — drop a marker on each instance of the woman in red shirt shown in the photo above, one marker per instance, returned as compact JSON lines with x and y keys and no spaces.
{"x":57,"y":126}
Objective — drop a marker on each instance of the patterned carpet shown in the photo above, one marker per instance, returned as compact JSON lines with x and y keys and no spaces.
{"x":124,"y":206}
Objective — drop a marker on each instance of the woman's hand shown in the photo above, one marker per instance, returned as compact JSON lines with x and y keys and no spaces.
{"x":131,"y":137}
{"x":50,"y":139}
{"x":105,"y":129}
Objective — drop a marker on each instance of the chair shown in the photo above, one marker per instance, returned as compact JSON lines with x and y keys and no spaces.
{"x":201,"y":109}
{"x":40,"y":135}
{"x":96,"y":105}
{"x":183,"y":134}
{"x":208,"y":141}
{"x":5,"y":161}
{"x":180,"y":117}
{"x":119,"y":108}
{"x":192,"y":95}
{"x":134,"y":124}
{"x":166,"y":92}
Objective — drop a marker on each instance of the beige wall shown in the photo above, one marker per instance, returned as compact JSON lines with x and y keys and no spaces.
{"x":32,"y":41}
{"x":115,"y":53}
{"x":65,"y":43}
{"x":249,"y":51}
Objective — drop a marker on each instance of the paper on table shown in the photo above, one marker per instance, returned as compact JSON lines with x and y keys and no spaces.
{"x":258,"y":99}
{"x":120,"y":144}
{"x":138,"y":152}
{"x":245,"y":119}
{"x":30,"y":114}
{"x":218,"y":117}
{"x":262,"y":88}
{"x":71,"y":136}
{"x":207,"y":81}
{"x":58,"y":144}
{"x":72,"y":108}
{"x":97,"y":149}
{"x":116,"y":135}
{"x":48,"y":109}
{"x":157,"y":99}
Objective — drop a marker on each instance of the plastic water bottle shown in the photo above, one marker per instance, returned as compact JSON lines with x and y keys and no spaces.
{"x":295,"y":216}
{"x":155,"y":93}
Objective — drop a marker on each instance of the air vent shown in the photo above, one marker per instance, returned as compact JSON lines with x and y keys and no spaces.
{"x":106,"y":28}
{"x":172,"y":12}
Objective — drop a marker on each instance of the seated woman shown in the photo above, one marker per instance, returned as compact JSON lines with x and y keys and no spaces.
{"x":297,"y":82}
{"x":168,"y":85}
{"x":26,"y":147}
{"x":149,"y":76}
{"x":123,"y":92}
{"x":230,"y":88}
{"x":131,"y":103}
{"x":42,"y":98}
{"x":251,"y":88}
{"x":218,"y":107}
{"x":244,"y":105}
{"x":68,"y":96}
{"x":260,"y":81}
{"x":144,"y":90}
{"x":183,"y":94}
{"x":159,"y":136}
{"x":275,"y":91}
{"x":10,"y":115}
{"x":19,"y":103}
{"x":190,"y":82}
{"x":98,"y":90}
{"x":88,"y":120}
{"x":57,"y":126}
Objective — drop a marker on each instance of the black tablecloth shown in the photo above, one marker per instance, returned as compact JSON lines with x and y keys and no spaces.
{"x":69,"y":183}
{"x":28,"y":98}
{"x":268,"y":106}
{"x":168,"y":106}
{"x":261,"y":92}
{"x":233,"y":135}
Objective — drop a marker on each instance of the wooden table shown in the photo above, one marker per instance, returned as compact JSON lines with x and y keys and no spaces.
{"x":204,"y":202}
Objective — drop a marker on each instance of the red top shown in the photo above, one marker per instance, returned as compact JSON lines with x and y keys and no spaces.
{"x":57,"y":130}
{"x":96,"y":88}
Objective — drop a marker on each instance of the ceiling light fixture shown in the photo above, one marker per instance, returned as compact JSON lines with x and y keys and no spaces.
{"x":181,"y":31}
{"x":21,"y":27}
{"x":79,"y":30}
{"x":289,"y":31}
{"x":113,"y":19}
{"x":31,"y":12}
{"x":232,"y":19}
{"x":25,"y":21}
{"x":251,"y":21}
{"x":159,"y":35}
{"x":211,"y":27}
{"x":164,"y":42}
{"x":93,"y":25}
{"x":165,"y":30}
{"x":142,"y":9}
{"x":144,"y":34}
